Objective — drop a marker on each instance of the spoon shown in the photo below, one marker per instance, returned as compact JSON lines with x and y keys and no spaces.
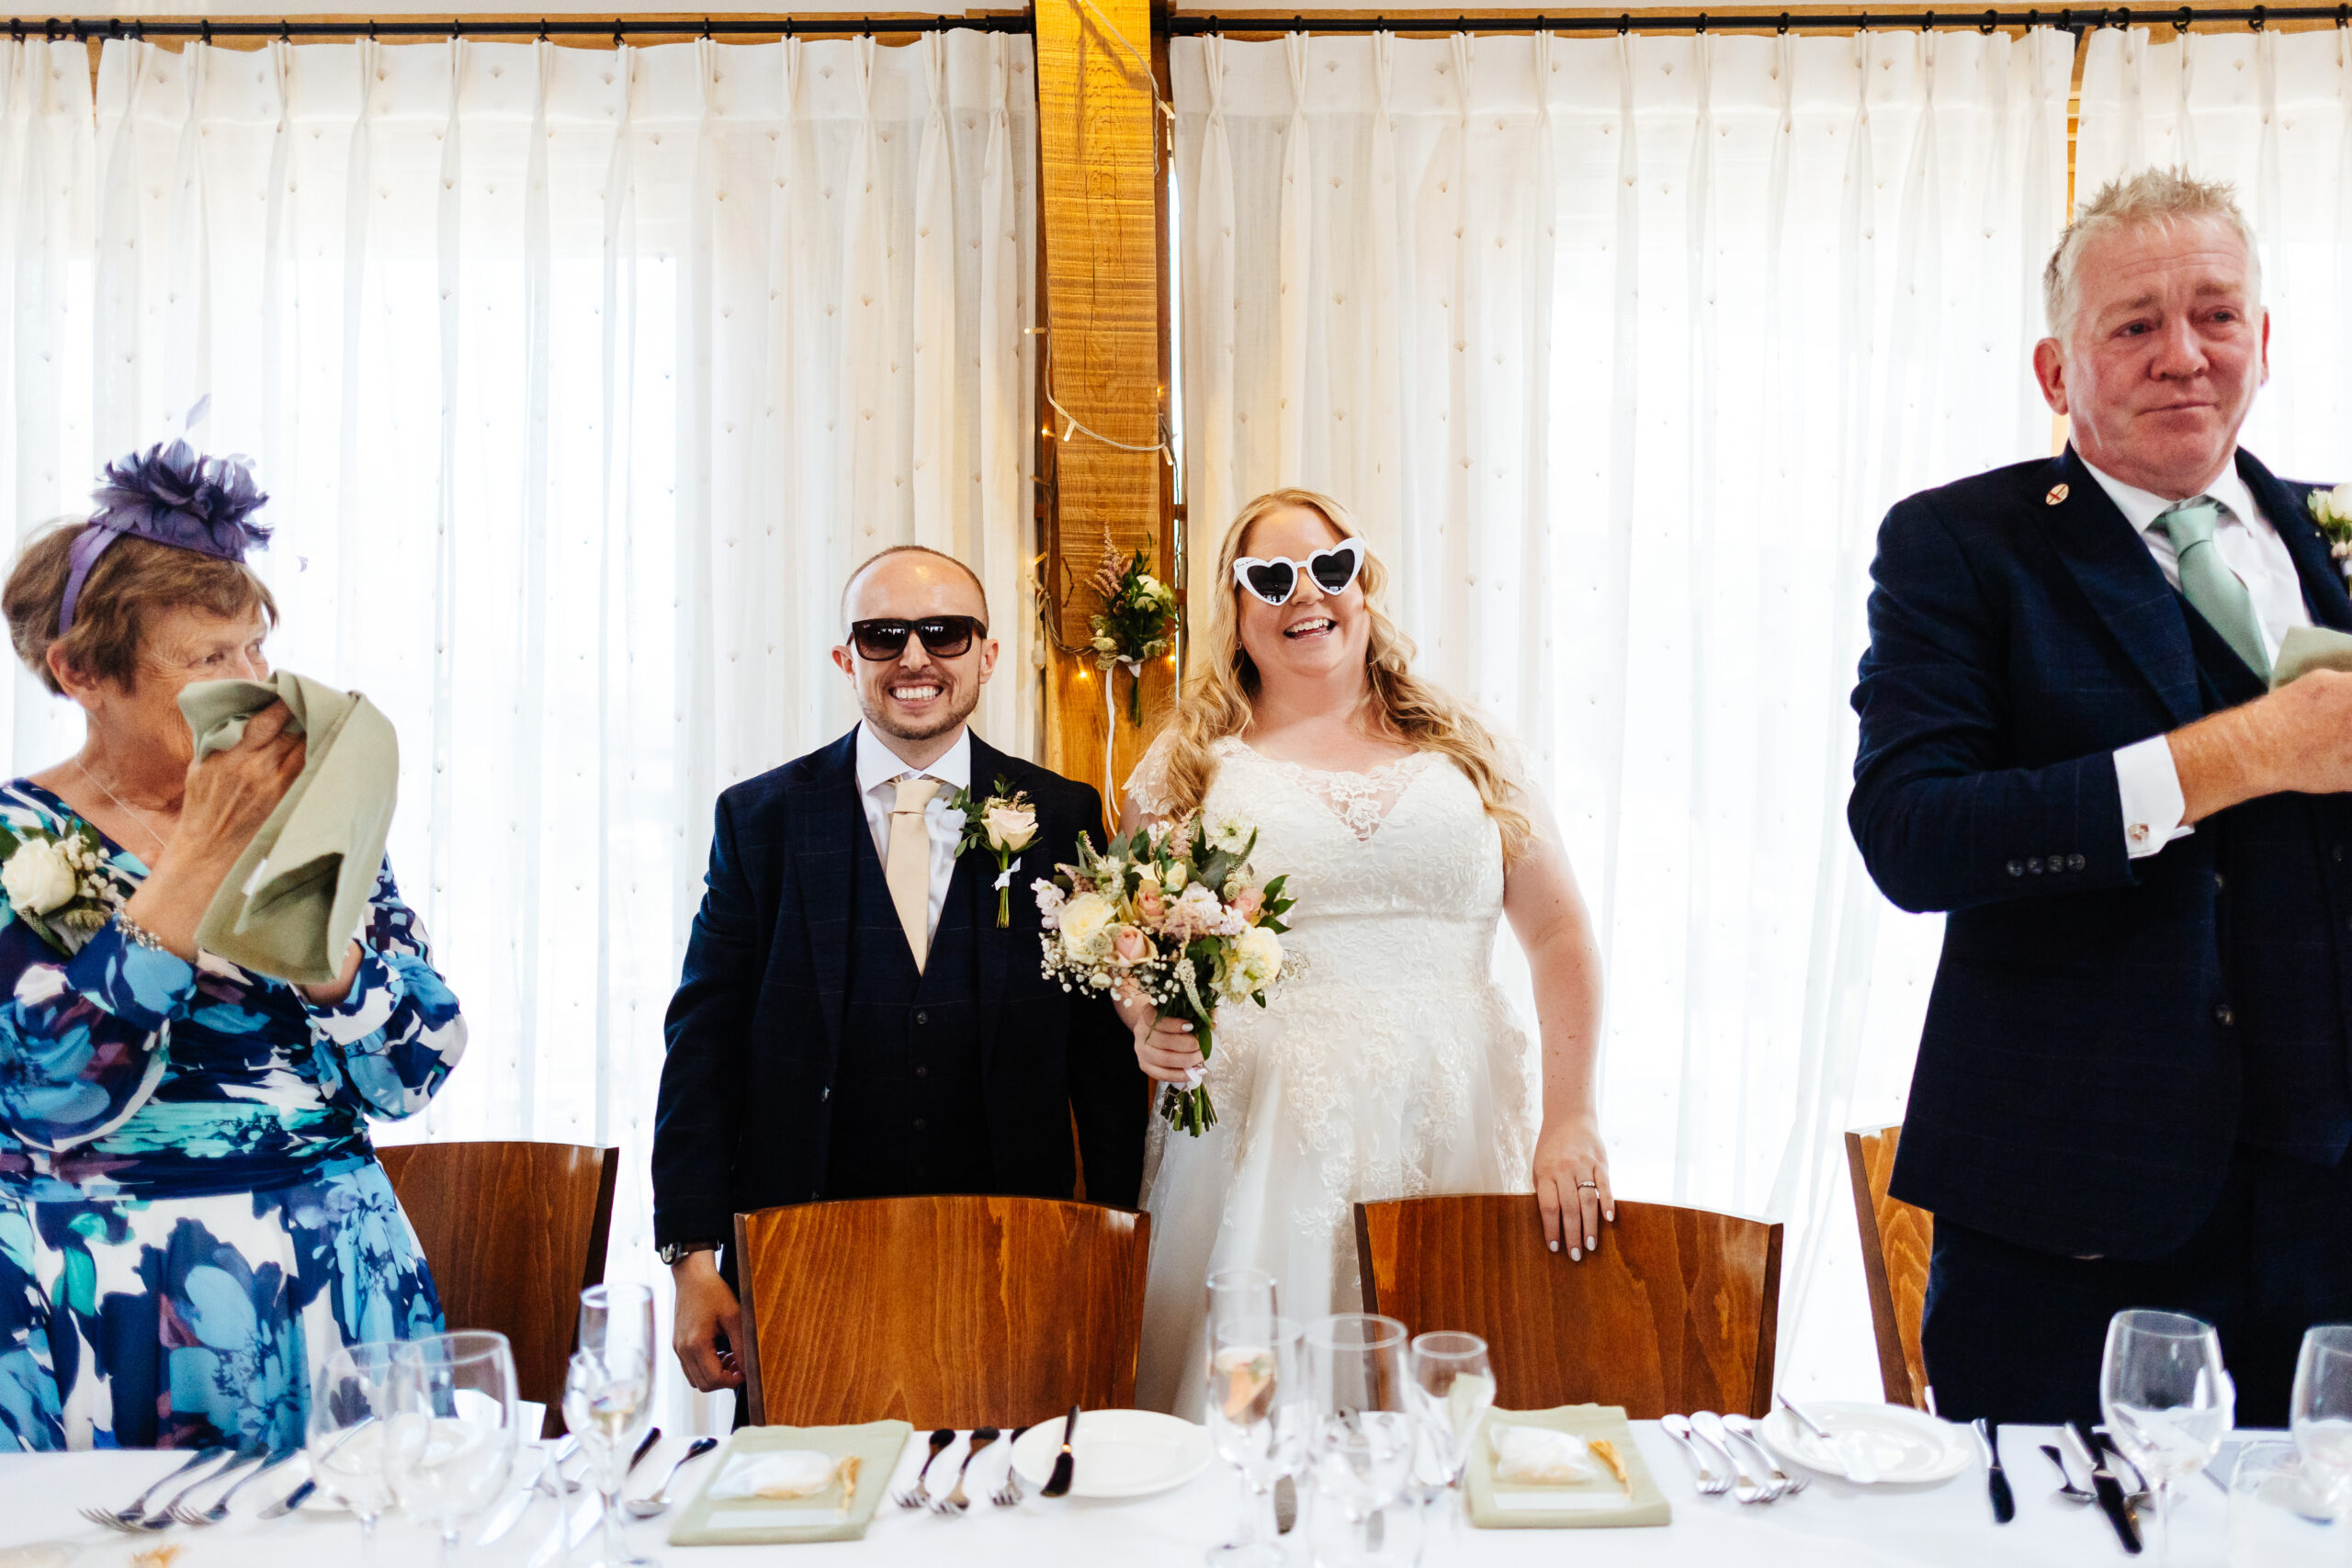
{"x":646,"y":1507}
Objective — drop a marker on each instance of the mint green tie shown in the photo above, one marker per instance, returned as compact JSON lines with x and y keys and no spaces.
{"x":2208,"y":585}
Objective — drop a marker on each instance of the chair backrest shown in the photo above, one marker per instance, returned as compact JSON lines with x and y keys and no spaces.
{"x":1677,"y":1310}
{"x":943,"y":1311}
{"x":514,"y":1232}
{"x":1896,"y":1240}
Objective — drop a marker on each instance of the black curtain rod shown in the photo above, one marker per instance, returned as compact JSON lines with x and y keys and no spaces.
{"x":2075,"y":19}
{"x":82,"y":28}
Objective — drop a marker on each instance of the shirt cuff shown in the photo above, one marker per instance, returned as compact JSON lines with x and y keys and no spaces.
{"x":2149,"y":787}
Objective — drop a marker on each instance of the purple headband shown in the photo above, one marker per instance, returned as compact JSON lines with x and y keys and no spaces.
{"x":174,"y":496}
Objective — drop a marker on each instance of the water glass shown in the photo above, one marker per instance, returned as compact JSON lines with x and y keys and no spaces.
{"x":451,"y":1437}
{"x":1254,"y":1368}
{"x":608,"y":1398}
{"x":2319,"y":1413}
{"x":1361,"y":1444}
{"x":1453,"y":1387}
{"x":348,"y":1411}
{"x":2168,"y":1401}
{"x":2273,"y":1506}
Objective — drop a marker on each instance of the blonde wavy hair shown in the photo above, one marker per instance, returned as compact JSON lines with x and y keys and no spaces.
{"x":1215,"y":702}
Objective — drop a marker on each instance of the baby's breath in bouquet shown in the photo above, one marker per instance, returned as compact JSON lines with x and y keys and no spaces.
{"x":1175,"y":913}
{"x":1137,"y":620}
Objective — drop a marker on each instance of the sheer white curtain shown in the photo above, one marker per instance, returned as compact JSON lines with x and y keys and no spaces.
{"x":580,"y":378}
{"x":1620,"y":349}
{"x":2271,"y":113}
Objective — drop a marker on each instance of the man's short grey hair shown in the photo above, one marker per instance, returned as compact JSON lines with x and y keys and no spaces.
{"x":2153,"y":197}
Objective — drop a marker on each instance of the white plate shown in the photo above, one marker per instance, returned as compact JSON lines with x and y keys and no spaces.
{"x":1908,"y":1446}
{"x":1120,"y":1453}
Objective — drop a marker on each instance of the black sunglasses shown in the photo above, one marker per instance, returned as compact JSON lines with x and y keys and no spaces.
{"x":943,"y":636}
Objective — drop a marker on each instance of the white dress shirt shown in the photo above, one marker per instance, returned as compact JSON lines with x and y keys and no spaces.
{"x":879,"y":769}
{"x":2250,"y":547}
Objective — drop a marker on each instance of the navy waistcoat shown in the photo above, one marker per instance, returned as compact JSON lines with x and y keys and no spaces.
{"x":908,"y":1110}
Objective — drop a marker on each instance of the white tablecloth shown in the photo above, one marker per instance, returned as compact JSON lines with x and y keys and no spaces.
{"x":1827,"y":1525}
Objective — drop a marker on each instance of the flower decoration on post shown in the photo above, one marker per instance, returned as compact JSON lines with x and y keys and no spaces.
{"x":2332,"y":510}
{"x":57,"y":885}
{"x":1173,"y":914}
{"x":1137,"y":620}
{"x":1007,"y":823}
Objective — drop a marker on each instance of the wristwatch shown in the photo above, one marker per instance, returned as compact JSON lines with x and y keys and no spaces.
{"x":669,"y":1252}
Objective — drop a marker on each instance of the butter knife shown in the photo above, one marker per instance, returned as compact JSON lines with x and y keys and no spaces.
{"x":291,"y":1501}
{"x":569,"y":1534}
{"x":1996,"y":1480}
{"x":2110,"y":1490}
{"x":510,"y":1513}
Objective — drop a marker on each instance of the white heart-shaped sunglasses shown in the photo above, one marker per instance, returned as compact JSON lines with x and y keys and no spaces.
{"x":1275,"y":578}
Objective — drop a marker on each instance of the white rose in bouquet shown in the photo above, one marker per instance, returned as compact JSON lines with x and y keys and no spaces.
{"x":1009,"y":827}
{"x":1257,"y":961}
{"x":1086,"y":922}
{"x":39,"y":878}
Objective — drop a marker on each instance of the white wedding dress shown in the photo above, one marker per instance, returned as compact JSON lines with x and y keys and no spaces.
{"x":1390,"y":1067}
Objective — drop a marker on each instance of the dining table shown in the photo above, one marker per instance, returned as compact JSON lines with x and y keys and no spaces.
{"x":1949,"y":1524}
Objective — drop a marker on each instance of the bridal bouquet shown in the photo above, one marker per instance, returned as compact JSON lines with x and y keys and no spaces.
{"x":1175,"y":913}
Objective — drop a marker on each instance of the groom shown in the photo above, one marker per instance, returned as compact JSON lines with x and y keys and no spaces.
{"x":852,"y":1021}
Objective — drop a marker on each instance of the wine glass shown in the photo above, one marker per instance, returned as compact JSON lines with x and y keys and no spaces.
{"x":2168,"y":1403}
{"x":2320,"y":1411}
{"x":1361,"y":1441}
{"x":450,"y":1438}
{"x":1245,"y":1292}
{"x":1254,"y":1364}
{"x":608,"y":1398}
{"x":348,"y":1409}
{"x":1453,"y":1387}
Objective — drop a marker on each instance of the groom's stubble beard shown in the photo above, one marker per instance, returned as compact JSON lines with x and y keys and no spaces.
{"x":962,"y":695}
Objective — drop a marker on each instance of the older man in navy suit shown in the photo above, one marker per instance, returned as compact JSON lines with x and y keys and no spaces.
{"x":2134,"y":1086}
{"x":852,"y":1021}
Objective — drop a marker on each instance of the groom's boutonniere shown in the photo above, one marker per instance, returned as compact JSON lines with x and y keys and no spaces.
{"x":2332,"y":510}
{"x":1007,"y":823}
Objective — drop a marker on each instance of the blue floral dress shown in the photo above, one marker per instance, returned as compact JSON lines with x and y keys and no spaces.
{"x":192,"y":1217}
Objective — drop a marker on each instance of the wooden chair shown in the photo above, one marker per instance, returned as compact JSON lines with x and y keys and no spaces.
{"x":1676,"y":1310}
{"x":944,"y":1312}
{"x":1896,"y":1241}
{"x":514,"y":1232}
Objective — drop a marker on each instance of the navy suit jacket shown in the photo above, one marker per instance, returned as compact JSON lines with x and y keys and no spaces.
{"x":2078,"y":1085}
{"x":755,"y":1030}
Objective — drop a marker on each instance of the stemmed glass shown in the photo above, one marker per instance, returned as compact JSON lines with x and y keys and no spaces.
{"x":1453,"y":1387}
{"x":450,"y":1440}
{"x":2319,"y":1413}
{"x":348,"y":1410}
{"x":608,"y":1398}
{"x":1360,"y":1442}
{"x":1253,"y":1368}
{"x":2168,"y":1401}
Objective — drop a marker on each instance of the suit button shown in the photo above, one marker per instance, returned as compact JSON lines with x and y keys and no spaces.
{"x":2337,"y":853}
{"x":2224,"y":1016}
{"x":2077,"y":864}
{"x":2057,"y":862}
{"x":922,"y":1018}
{"x":918,"y":1123}
{"x":2034,"y":865}
{"x":2220,"y":885}
{"x":923,"y":1072}
{"x":828,"y":1092}
{"x":2017,"y":868}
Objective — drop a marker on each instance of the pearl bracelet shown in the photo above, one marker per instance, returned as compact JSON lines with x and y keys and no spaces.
{"x":132,"y":931}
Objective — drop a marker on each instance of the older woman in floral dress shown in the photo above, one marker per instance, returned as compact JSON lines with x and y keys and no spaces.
{"x":191,"y":1215}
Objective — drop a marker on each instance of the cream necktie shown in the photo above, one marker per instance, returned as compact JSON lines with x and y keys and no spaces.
{"x":908,"y":870}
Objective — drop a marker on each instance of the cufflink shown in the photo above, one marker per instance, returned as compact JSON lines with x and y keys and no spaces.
{"x":2137,"y":832}
{"x":2057,"y":493}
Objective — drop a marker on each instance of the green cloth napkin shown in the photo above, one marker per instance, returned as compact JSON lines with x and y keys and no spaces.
{"x":751,"y":1521}
{"x":297,"y":896}
{"x":1592,"y":1505}
{"x":2305,"y":649}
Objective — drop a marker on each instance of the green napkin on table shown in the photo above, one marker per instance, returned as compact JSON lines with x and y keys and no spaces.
{"x":297,"y":896}
{"x":751,"y":1521}
{"x":1600,"y":1504}
{"x":2305,"y":649}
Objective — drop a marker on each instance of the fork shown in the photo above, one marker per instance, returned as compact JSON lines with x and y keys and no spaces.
{"x":1678,"y":1429}
{"x":1745,"y":1488}
{"x":1006,"y":1495}
{"x":1744,"y":1426}
{"x":955,"y":1501}
{"x":127,"y":1519}
{"x":918,"y":1494}
{"x":168,"y":1514}
{"x":220,"y":1510}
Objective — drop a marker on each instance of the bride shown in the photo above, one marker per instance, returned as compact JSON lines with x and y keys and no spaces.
{"x":1391,"y":1067}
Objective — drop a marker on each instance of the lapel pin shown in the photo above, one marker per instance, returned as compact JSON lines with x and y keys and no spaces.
{"x":2057,"y":493}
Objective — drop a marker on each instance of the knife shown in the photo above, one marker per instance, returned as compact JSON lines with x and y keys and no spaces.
{"x":569,"y":1534}
{"x":291,"y":1501}
{"x":549,"y":1479}
{"x":1996,"y":1480}
{"x":2109,"y":1490}
{"x":1066,"y":1464}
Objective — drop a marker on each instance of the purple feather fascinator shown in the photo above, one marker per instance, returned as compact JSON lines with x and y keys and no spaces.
{"x":174,"y":495}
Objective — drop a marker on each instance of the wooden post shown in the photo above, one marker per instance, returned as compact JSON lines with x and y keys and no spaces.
{"x":1100,"y":142}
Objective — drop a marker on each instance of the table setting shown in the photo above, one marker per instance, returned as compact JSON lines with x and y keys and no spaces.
{"x":1343,"y":1441}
